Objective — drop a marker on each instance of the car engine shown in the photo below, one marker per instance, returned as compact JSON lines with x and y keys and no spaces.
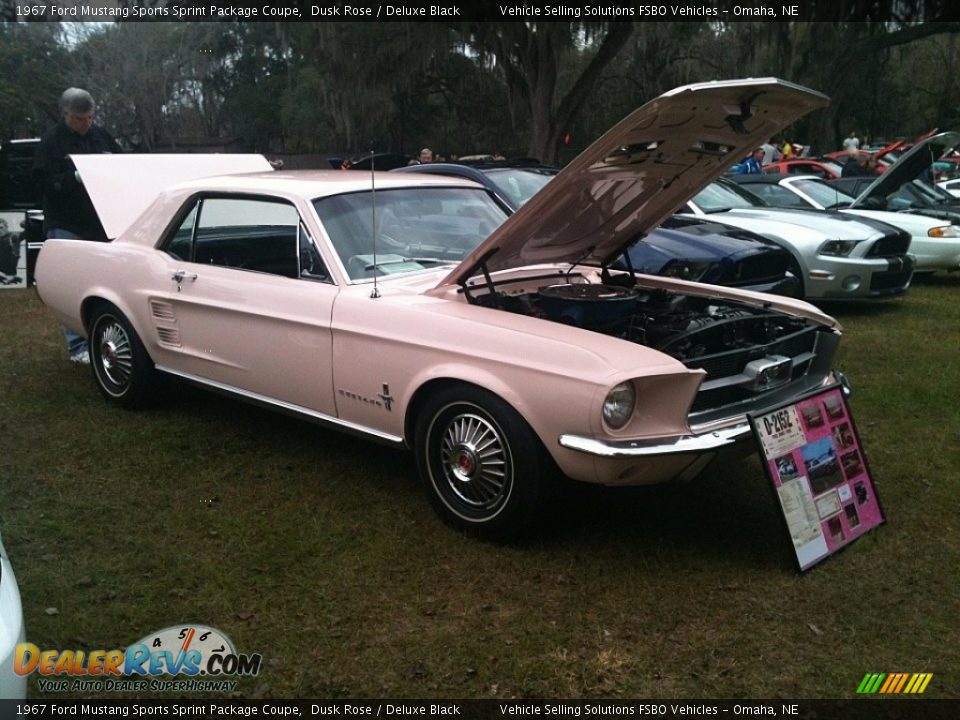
{"x":745,"y":350}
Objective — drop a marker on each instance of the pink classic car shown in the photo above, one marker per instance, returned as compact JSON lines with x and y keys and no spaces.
{"x":410,"y":310}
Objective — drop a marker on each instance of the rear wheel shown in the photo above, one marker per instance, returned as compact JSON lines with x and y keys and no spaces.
{"x":483,"y":467}
{"x":121,"y":366}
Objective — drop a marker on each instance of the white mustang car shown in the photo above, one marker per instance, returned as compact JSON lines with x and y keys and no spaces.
{"x":935,"y":242}
{"x":836,"y":256}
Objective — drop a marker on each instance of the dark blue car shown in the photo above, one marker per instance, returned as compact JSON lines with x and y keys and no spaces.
{"x":686,"y":248}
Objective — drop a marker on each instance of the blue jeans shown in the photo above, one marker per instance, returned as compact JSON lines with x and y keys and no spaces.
{"x":76,"y":343}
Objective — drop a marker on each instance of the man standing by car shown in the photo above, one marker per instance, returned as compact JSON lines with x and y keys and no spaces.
{"x":67,"y":210}
{"x":851,"y":141}
{"x":754,"y":164}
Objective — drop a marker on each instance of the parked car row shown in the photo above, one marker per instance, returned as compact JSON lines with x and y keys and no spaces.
{"x":780,"y":233}
{"x":686,"y":248}
{"x":934,"y":242}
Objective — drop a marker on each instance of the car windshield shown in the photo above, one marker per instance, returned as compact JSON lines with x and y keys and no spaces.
{"x":520,"y":184}
{"x":717,"y":197}
{"x":918,"y":193}
{"x":822,"y":194}
{"x":415,"y":228}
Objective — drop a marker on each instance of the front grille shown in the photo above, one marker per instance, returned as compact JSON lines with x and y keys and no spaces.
{"x":732,"y":362}
{"x":888,"y":245}
{"x":890,"y":280}
{"x":756,"y":270}
{"x":726,"y":382}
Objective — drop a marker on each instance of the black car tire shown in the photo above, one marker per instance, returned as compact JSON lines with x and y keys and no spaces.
{"x":483,"y":467}
{"x":794,"y":267}
{"x":122,"y":368}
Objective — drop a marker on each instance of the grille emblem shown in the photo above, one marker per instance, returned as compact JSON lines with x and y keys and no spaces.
{"x":769,"y":372}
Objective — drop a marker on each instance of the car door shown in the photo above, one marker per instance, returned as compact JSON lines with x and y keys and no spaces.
{"x":248,"y":302}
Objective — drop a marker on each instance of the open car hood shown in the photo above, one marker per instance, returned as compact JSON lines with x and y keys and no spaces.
{"x":639,"y":172}
{"x":886,"y":149}
{"x":911,"y":165}
{"x":119,"y":202}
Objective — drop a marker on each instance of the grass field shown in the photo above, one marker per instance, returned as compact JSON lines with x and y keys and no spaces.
{"x":321,"y":552}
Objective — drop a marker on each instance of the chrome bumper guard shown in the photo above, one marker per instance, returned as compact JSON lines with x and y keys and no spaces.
{"x":676,"y":445}
{"x":707,"y":442}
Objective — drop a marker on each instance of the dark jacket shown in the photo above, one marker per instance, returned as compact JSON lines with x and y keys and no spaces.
{"x":66,"y":204}
{"x":853,"y":168}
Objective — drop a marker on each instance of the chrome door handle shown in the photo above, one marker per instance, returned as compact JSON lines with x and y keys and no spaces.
{"x":180,"y":275}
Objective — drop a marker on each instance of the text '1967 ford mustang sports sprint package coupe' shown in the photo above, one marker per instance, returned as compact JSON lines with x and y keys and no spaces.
{"x":406,"y":308}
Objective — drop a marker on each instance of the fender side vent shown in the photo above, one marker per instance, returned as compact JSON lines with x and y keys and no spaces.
{"x":169,"y":336}
{"x":162,"y":311}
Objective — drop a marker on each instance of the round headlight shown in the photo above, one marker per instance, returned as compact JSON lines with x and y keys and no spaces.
{"x":618,"y":405}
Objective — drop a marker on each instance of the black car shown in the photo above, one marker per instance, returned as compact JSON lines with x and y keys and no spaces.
{"x":686,"y":248}
{"x":377,"y":161}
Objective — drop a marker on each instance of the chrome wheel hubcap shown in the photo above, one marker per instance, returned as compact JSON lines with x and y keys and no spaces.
{"x":475,"y":461}
{"x":116,"y":355}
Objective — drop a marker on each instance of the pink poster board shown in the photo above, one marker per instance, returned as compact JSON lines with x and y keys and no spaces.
{"x":812,"y":454}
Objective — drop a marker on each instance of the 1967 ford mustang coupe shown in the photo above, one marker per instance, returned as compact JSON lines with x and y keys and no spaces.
{"x":409,"y":309}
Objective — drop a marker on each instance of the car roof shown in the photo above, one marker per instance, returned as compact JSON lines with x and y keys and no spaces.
{"x":122,"y":187}
{"x":311,"y":184}
{"x":757,"y":178}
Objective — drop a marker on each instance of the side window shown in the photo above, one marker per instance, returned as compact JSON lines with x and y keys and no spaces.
{"x":248,"y":234}
{"x":778,"y":196}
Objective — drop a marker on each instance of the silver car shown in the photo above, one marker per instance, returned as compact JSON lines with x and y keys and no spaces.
{"x":837,"y":257}
{"x":935,"y":242}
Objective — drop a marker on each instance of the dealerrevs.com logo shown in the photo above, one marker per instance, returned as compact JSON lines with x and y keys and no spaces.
{"x":179,"y":658}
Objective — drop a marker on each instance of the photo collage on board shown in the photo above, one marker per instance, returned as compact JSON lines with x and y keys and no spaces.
{"x":815,"y":462}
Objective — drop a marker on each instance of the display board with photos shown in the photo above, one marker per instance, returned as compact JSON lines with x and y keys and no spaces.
{"x":813,"y":456}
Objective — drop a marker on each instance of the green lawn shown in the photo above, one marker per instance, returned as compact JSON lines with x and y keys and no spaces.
{"x":321,"y":552}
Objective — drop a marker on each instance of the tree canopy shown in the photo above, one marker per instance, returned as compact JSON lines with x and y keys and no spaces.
{"x":524,"y":89}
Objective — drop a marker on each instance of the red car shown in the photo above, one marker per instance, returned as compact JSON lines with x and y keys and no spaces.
{"x":826,"y":169}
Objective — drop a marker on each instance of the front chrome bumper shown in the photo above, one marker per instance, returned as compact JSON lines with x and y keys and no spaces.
{"x":707,"y":442}
{"x":734,"y":430}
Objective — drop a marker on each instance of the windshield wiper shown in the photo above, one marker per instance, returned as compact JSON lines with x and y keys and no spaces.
{"x":398,"y":261}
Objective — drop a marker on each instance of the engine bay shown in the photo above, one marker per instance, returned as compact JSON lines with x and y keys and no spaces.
{"x":718,"y":336}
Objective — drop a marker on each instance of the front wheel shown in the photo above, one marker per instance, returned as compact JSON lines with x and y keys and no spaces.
{"x":794,"y":267}
{"x":484,"y":468}
{"x":121,"y":366}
